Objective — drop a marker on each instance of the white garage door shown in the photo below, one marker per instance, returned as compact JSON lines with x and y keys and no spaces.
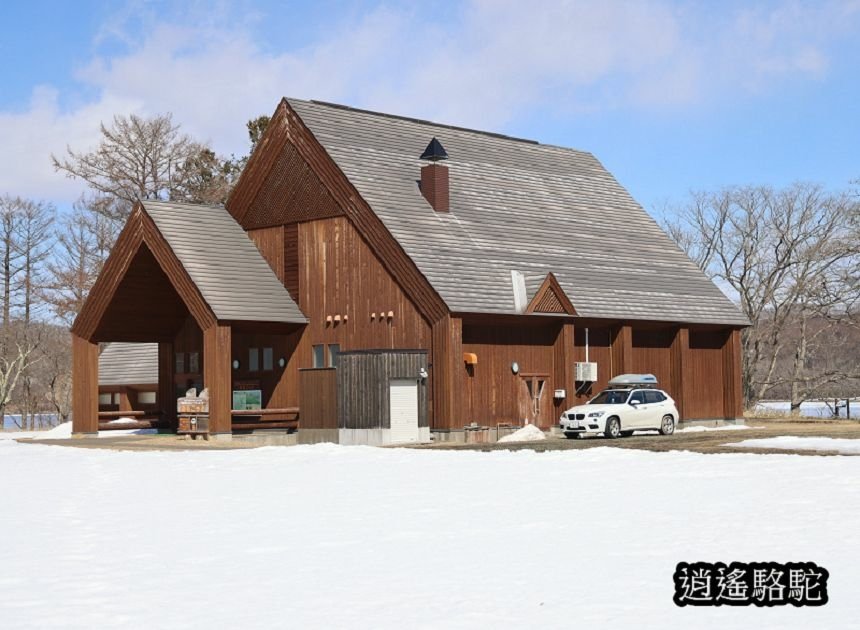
{"x":403,"y":405}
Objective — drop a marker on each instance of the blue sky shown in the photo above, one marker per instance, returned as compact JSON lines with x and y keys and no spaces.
{"x":670,"y":96}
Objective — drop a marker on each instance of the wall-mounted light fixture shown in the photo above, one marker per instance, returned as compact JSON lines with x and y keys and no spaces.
{"x":515,"y":367}
{"x":422,"y":374}
{"x":282,"y":362}
{"x":236,"y":364}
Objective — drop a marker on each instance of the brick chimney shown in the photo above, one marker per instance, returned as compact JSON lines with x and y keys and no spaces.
{"x":434,"y":177}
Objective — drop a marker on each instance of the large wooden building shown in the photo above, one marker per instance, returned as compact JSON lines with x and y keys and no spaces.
{"x":509,"y":263}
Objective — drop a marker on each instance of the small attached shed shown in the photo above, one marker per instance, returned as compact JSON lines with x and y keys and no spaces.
{"x":373,"y":397}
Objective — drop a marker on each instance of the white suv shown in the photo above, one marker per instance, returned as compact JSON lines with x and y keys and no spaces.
{"x":620,"y":411}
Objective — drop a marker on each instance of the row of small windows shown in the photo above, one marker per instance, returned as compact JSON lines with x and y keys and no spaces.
{"x":326,"y":355}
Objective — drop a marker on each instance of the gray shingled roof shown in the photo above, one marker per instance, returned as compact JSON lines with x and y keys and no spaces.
{"x":128,"y":364}
{"x":516,"y":205}
{"x":232,"y":275}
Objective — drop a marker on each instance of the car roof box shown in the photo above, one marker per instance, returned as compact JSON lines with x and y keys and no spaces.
{"x":633,"y":380}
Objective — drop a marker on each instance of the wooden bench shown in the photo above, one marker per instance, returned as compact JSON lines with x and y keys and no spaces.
{"x":122,"y":414}
{"x":265,"y":419}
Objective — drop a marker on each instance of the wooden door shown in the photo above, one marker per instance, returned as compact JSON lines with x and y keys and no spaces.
{"x":535,"y":399}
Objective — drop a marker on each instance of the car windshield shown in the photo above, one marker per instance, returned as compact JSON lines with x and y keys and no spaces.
{"x":610,"y":397}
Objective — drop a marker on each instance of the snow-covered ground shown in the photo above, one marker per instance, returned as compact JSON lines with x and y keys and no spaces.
{"x":357,"y":537}
{"x":64,"y":430}
{"x":794,"y":443}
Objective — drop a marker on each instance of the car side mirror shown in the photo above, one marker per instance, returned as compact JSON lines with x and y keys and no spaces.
{"x":634,"y":403}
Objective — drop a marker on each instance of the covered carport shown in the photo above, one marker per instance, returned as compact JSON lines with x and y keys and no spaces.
{"x":188,"y":278}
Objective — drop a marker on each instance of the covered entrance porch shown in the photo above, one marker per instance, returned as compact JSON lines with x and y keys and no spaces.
{"x":190,"y":280}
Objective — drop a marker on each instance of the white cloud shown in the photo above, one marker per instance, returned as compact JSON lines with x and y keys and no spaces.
{"x":501,"y":59}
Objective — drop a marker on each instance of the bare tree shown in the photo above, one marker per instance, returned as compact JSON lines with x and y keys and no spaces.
{"x":790,"y":258}
{"x":137,"y":159}
{"x":84,"y":239}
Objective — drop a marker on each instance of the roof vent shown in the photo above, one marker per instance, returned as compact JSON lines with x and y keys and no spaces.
{"x":434,"y":152}
{"x":434,"y":176}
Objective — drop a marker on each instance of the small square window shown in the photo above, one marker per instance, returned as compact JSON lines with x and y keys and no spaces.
{"x":319,"y":356}
{"x":105,"y":399}
{"x":333,"y":351}
{"x":146,"y":398}
{"x":180,"y":363}
{"x":193,"y":362}
{"x":268,"y":359}
{"x":253,"y":359}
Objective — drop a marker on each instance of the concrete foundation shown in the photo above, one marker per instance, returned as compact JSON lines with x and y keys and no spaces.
{"x":317,"y":436}
{"x":267,"y":438}
{"x":376,"y":437}
{"x":81,"y":434}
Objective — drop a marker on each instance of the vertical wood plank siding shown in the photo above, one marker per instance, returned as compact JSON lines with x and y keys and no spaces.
{"x":680,"y":351}
{"x":363,"y":387}
{"x":446,"y":373}
{"x":291,"y":260}
{"x":270,"y":242}
{"x":622,"y":351}
{"x":217,"y":377}
{"x":704,"y":375}
{"x":318,"y":392}
{"x":85,"y":385}
{"x":652,"y":354}
{"x":563,"y":368}
{"x":733,"y":391}
{"x":166,"y":384}
{"x":494,"y":393}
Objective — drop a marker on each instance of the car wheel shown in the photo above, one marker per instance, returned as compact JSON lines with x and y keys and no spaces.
{"x":626,"y":433}
{"x":613,"y":428}
{"x":667,"y":425}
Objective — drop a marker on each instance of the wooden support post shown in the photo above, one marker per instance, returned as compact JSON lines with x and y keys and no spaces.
{"x":217,"y":377}
{"x":85,"y":386}
{"x":679,"y":351}
{"x":733,"y":406}
{"x":563,"y":366}
{"x":447,"y":373}
{"x":166,"y":385}
{"x":622,"y":351}
{"x":125,"y":402}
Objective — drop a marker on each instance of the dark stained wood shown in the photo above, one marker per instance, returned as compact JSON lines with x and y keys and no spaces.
{"x":166,"y":382}
{"x":286,"y":411}
{"x":551,"y":298}
{"x":217,"y":377}
{"x":290,"y":192}
{"x":651,"y":353}
{"x":287,"y":127}
{"x":494,"y":393}
{"x":703,"y":389}
{"x":732,"y":389}
{"x":270,"y":243}
{"x":363,"y":393}
{"x":563,"y":368}
{"x":447,"y":370}
{"x":85,"y":385}
{"x":291,"y":261}
{"x":280,"y":424}
{"x":679,"y":353}
{"x":622,"y":351}
{"x":318,"y":393}
{"x":142,"y":245}
{"x":131,"y":413}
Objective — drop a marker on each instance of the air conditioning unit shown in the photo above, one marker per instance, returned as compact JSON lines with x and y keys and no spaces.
{"x":586,"y":372}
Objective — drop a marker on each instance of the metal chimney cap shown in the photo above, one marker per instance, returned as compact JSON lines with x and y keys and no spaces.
{"x":434,"y":151}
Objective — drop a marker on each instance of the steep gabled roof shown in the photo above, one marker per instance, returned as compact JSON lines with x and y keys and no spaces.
{"x":516,"y":205}
{"x":212,"y":265}
{"x":228,"y":269}
{"x":123,"y":363}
